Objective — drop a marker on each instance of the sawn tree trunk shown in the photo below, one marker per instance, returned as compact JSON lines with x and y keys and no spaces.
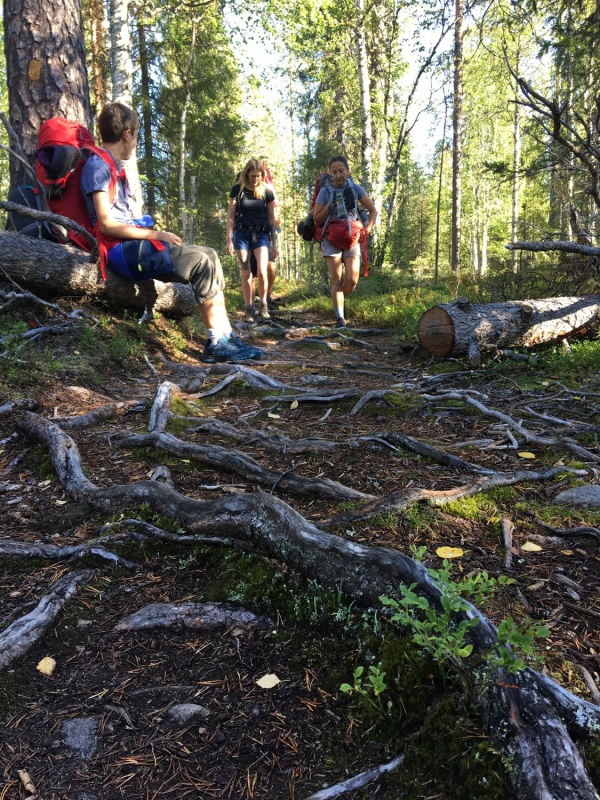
{"x":461,"y":328}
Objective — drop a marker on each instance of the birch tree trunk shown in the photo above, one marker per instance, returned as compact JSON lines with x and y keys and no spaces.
{"x":146,"y":115}
{"x":122,"y":85}
{"x":46,"y":70}
{"x":439,"y":196}
{"x":185,"y":80}
{"x":456,"y":138}
{"x":516,"y":176}
{"x":366,"y":125}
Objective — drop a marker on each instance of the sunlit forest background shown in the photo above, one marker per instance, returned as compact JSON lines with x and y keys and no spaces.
{"x":471,"y":125}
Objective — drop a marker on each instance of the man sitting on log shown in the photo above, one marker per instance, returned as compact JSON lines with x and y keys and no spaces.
{"x":139,"y":253}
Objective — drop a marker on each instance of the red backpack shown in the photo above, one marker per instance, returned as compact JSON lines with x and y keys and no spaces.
{"x":63,"y":148}
{"x":345,"y":232}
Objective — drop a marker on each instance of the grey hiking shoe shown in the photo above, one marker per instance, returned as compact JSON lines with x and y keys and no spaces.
{"x":340,"y":323}
{"x":263,"y":311}
{"x":249,"y":313}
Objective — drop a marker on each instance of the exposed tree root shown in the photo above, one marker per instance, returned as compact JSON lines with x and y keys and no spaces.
{"x":24,"y":632}
{"x":530,"y":713}
{"x":240,"y":464}
{"x":398,"y":501}
{"x":17,"y":405}
{"x":20,"y":551}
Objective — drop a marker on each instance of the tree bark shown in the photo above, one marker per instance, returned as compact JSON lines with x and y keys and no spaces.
{"x":460,"y":328}
{"x":56,"y":269}
{"x":457,"y":142}
{"x":46,"y":70}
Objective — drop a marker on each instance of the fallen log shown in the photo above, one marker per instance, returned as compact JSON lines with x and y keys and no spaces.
{"x":462,"y":328}
{"x":56,"y":269}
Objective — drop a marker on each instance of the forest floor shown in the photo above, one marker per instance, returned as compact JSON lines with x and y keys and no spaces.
{"x":302,"y":734}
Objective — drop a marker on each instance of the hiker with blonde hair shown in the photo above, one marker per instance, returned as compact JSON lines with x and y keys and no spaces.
{"x":250,"y":228}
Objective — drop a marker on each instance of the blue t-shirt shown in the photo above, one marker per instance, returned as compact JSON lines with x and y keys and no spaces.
{"x":96,"y":178}
{"x":326,"y":194}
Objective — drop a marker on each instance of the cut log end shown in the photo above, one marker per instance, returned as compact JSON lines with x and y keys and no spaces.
{"x":436,"y":331}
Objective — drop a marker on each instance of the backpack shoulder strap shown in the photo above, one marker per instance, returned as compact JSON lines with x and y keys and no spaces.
{"x":115,"y":173}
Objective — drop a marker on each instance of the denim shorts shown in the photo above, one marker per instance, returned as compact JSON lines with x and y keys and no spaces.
{"x":242,"y":239}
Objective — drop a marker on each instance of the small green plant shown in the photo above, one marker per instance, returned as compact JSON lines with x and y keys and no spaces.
{"x":371,"y":689}
{"x":443,"y":631}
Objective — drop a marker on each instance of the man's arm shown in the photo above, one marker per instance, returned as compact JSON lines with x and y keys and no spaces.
{"x":121,"y":230}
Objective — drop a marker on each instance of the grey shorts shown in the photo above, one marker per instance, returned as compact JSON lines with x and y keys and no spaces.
{"x":199,"y":266}
{"x":329,"y":249}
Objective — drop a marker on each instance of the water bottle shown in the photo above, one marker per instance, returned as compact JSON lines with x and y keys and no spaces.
{"x":339,"y":205}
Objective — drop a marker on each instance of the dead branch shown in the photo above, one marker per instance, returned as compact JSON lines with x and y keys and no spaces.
{"x":159,"y":414}
{"x":563,"y":246}
{"x":517,"y":425}
{"x":590,"y":683}
{"x":57,"y":219}
{"x":25,"y":294}
{"x":507,"y":532}
{"x":358,"y":781}
{"x":94,"y":417}
{"x":197,"y":616}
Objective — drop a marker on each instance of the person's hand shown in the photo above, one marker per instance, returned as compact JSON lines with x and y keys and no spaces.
{"x":169,"y":238}
{"x":230,"y":247}
{"x":274,"y":252}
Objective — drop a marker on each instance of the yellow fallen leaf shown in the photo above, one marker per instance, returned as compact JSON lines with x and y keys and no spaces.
{"x":567,"y":552}
{"x":450,"y":552}
{"x":76,"y":352}
{"x":268,"y":681}
{"x":294,"y":404}
{"x":545,"y":383}
{"x":535,"y":586}
{"x":530,"y":547}
{"x":274,"y":416}
{"x":46,"y":666}
{"x":525,"y":454}
{"x":61,"y":502}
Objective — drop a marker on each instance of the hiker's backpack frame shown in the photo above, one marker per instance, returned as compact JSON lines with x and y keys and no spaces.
{"x":63,"y":148}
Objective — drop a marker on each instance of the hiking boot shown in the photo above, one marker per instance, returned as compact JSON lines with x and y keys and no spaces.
{"x":227,"y":350}
{"x":340,"y":323}
{"x":256,"y":352}
{"x":249,"y":313}
{"x":263,"y":311}
{"x":271,"y":304}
